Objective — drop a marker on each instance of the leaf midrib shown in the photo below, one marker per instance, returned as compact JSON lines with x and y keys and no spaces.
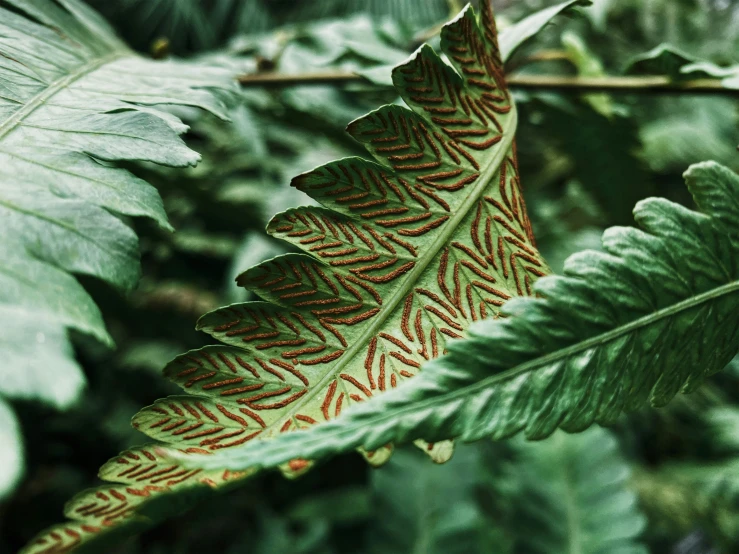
{"x":613,"y":334}
{"x":469,"y":390}
{"x":37,"y":101}
{"x":572,"y":511}
{"x":447,"y":231}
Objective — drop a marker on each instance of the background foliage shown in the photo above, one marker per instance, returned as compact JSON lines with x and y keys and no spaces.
{"x":584,"y":163}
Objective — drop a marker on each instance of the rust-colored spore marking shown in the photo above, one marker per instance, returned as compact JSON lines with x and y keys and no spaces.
{"x":369,"y":359}
{"x":356,"y":383}
{"x":327,"y":399}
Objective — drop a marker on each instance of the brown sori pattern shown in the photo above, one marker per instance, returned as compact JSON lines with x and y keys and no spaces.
{"x":405,"y":254}
{"x":137,"y":475}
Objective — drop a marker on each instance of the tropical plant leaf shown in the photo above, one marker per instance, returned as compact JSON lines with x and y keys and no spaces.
{"x":406,"y":253}
{"x":651,"y":316}
{"x":72,"y":99}
{"x":515,"y":35}
{"x":139,"y":478}
{"x":667,"y":59}
{"x":570,"y":494}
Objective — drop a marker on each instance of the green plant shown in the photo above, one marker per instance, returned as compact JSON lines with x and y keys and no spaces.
{"x":411,"y":252}
{"x":74,"y":99}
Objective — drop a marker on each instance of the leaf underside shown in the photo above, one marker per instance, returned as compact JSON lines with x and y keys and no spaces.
{"x":403,"y":256}
{"x":648,"y":318}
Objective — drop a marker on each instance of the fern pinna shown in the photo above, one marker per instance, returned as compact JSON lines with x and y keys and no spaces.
{"x":406,"y":253}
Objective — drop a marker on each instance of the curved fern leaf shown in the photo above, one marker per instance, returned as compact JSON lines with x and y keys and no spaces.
{"x":72,"y":98}
{"x":650,"y":317}
{"x":139,"y":495}
{"x":405,"y":254}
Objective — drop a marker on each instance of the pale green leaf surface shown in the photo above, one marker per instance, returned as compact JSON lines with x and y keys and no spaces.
{"x":664,"y":59}
{"x":648,"y":318}
{"x":670,"y":60}
{"x":72,"y":98}
{"x":11,"y":451}
{"x":571,"y":496}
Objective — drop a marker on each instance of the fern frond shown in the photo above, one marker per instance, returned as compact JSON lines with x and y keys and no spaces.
{"x":404,"y":255}
{"x":651,"y":316}
{"x":72,"y":99}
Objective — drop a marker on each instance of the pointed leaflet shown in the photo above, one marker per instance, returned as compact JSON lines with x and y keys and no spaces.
{"x":71,"y":95}
{"x":650,"y":317}
{"x":141,"y":493}
{"x":521,"y":31}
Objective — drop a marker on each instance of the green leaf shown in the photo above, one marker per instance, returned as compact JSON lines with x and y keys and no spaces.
{"x":72,"y":99}
{"x":570,"y":495}
{"x":567,"y":494}
{"x":11,"y":450}
{"x":510,"y":39}
{"x":669,"y":60}
{"x":139,"y":495}
{"x":588,"y":65}
{"x":664,"y":59}
{"x":651,"y":316}
{"x":689,"y":131}
{"x":515,"y":35}
{"x":406,"y":253}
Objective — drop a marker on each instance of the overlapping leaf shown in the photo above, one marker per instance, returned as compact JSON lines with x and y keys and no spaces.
{"x":650,"y":317}
{"x":564,"y":495}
